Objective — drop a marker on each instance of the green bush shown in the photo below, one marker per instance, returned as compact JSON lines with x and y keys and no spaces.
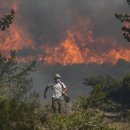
{"x":80,"y":120}
{"x":16,"y":115}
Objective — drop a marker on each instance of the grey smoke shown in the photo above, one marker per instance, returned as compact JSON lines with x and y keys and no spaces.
{"x":73,"y":75}
{"x":49,"y":20}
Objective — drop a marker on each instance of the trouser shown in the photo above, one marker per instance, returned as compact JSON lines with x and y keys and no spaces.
{"x":56,"y":105}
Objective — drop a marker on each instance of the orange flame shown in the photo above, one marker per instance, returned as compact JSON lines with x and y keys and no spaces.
{"x":15,"y":39}
{"x":81,"y":46}
{"x":67,"y":53}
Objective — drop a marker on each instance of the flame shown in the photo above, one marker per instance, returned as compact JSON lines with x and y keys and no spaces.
{"x":80,"y":46}
{"x":67,"y":53}
{"x":115,"y":55}
{"x":15,"y":39}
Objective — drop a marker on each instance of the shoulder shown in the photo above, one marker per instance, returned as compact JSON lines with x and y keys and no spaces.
{"x":63,"y":84}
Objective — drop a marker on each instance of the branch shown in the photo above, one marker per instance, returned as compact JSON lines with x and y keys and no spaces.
{"x":6,"y":64}
{"x":128,"y":1}
{"x":126,"y":20}
{"x":6,"y":20}
{"x":91,"y":125}
{"x":25,"y":71}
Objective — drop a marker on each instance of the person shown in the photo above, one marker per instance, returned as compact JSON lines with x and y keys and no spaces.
{"x":59,"y":89}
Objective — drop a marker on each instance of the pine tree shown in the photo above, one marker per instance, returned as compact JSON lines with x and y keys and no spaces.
{"x":125,"y":19}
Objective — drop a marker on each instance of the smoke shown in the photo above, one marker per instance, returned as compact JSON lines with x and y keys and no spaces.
{"x":50,"y":19}
{"x":49,"y":23}
{"x":73,"y":75}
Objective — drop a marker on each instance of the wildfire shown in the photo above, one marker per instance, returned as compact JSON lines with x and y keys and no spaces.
{"x":80,"y":46}
{"x":67,"y":53}
{"x":15,"y":39}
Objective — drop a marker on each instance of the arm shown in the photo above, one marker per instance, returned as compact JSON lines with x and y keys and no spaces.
{"x":45,"y":91}
{"x":64,"y":90}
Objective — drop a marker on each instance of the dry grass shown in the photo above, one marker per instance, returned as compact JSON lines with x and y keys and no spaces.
{"x":120,"y":126}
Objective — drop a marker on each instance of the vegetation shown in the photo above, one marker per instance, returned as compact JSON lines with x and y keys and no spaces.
{"x":17,"y":115}
{"x":110,"y":92}
{"x":79,"y":120}
{"x":126,"y":22}
{"x":20,"y":108}
{"x":14,"y":80}
{"x":6,"y":20}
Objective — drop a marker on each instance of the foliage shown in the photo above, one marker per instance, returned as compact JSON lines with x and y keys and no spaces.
{"x":128,"y":2}
{"x":126,"y":21}
{"x":18,"y":104}
{"x":104,"y":89}
{"x":15,"y":81}
{"x":82,"y":102}
{"x":80,"y":120}
{"x":6,"y":20}
{"x":124,"y":91}
{"x":108,"y":95}
{"x":18,"y":116}
{"x":109,"y":91}
{"x":97,"y":95}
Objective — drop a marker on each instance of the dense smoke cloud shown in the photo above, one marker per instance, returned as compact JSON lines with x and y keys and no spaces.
{"x":49,"y":20}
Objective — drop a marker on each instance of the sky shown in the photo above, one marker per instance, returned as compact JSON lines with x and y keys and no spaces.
{"x":74,"y":38}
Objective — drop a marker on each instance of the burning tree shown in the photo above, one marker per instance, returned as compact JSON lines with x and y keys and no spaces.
{"x":126,"y":21}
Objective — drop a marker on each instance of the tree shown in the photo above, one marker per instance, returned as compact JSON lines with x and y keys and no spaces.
{"x":126,"y":22}
{"x":106,"y":82}
{"x":14,"y":80}
{"x":105,"y":92}
{"x":6,"y":20}
{"x":128,"y":2}
{"x":109,"y":92}
{"x":18,"y":103}
{"x":124,"y":91}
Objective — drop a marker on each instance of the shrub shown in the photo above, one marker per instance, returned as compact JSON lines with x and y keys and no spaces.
{"x":16,"y":115}
{"x":80,"y":120}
